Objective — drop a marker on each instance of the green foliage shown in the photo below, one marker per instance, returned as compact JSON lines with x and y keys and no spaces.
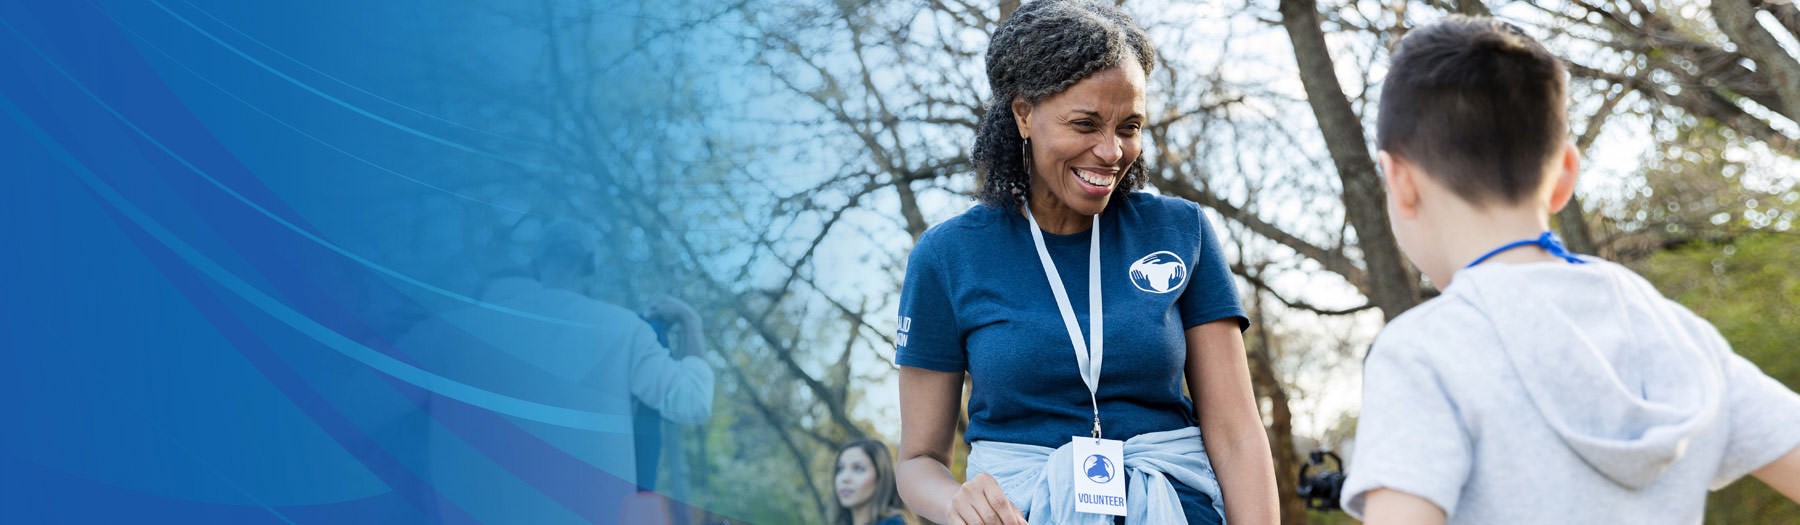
{"x":1696,"y":186}
{"x":1746,"y":288}
{"x":1314,"y":517}
{"x":752,"y":474}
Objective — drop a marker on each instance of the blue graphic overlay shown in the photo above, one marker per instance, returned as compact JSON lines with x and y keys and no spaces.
{"x":257,"y":258}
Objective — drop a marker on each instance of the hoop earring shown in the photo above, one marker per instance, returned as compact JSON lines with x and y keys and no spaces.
{"x":1024,"y":157}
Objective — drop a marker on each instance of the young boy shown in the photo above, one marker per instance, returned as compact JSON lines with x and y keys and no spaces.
{"x":1541,"y":387}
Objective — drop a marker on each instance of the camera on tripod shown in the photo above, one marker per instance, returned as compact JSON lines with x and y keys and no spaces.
{"x":1322,"y":488}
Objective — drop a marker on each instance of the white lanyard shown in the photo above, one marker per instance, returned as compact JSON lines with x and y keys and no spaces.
{"x":1090,"y":366}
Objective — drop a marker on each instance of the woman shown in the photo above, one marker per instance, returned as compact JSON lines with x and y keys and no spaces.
{"x":996,"y":292}
{"x":864,"y":483}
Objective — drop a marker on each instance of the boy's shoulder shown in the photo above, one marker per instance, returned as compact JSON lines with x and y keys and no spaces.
{"x":1438,"y":328}
{"x":1521,"y":308}
{"x":1517,"y":295}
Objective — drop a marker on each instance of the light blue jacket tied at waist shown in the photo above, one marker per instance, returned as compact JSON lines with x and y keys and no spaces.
{"x":1040,"y":480}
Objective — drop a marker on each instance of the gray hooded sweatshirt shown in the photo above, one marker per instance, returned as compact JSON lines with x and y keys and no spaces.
{"x":1561,"y":393}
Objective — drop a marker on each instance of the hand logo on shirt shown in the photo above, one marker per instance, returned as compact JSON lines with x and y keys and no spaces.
{"x":1099,"y":469}
{"x":1160,"y":272}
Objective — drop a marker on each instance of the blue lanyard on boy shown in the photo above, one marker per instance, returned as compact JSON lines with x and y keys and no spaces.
{"x":1548,"y":241}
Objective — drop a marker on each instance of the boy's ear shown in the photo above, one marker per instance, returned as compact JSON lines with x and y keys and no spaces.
{"x":1402,"y":188}
{"x":1022,"y":116}
{"x":1568,"y":169}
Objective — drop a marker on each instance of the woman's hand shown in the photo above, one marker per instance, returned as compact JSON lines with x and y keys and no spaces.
{"x":928,"y":413}
{"x":981,"y":502}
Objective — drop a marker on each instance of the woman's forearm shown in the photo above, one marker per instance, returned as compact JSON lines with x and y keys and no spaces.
{"x":1219,"y":373}
{"x":926,"y":486}
{"x":1246,"y":476}
{"x":928,"y":413}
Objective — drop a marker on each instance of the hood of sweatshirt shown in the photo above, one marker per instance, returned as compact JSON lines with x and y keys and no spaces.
{"x":1623,"y":375}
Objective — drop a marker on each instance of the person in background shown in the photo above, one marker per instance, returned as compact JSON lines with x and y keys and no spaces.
{"x":556,"y":327}
{"x":538,"y":335}
{"x":1541,"y":386}
{"x":863,"y":481}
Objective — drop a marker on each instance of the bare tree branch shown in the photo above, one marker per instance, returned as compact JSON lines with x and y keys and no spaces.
{"x":1390,"y":284}
{"x":1785,"y":13}
{"x":1255,"y":279}
{"x":1333,"y":260}
{"x":780,"y":428}
{"x":1700,"y":103}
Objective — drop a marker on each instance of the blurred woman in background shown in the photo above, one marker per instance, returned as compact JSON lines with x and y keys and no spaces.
{"x":863,"y":481}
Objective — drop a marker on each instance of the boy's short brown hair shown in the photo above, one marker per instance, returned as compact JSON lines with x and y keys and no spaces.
{"x":1477,"y":104}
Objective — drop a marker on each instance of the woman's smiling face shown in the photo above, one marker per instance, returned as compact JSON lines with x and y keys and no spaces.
{"x":1085,"y":138}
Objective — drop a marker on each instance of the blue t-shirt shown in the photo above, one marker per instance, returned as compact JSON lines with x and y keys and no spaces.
{"x":976,"y":299}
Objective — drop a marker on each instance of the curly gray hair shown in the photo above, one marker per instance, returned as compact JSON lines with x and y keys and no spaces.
{"x":1045,"y":47}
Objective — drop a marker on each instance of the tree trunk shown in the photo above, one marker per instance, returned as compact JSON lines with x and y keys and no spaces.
{"x":1737,"y":19}
{"x":1572,"y":222}
{"x":909,"y":208}
{"x":1786,"y":14}
{"x":1281,"y":428}
{"x":1472,"y":8}
{"x":1364,"y":200}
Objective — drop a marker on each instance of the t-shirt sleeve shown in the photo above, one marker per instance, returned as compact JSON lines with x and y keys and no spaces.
{"x":1410,"y":436}
{"x":1764,"y":417}
{"x":928,"y":336}
{"x":1210,"y":295}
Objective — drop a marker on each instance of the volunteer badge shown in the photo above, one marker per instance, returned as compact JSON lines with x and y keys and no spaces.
{"x":1099,"y":484}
